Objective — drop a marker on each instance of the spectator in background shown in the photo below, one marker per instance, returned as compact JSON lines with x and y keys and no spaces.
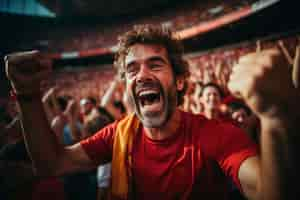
{"x":66,"y":124}
{"x":211,"y":97}
{"x":51,"y":106}
{"x":244,"y":118}
{"x":59,"y":121}
{"x":112,"y":99}
{"x":73,"y":131}
{"x":192,"y":101}
{"x":238,"y":111}
{"x":92,"y":126}
{"x":86,"y":106}
{"x":97,"y":118}
{"x":197,"y":106}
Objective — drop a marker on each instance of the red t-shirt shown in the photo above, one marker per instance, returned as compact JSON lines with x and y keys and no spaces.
{"x":191,"y":164}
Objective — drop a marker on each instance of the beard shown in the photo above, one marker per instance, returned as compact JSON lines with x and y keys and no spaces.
{"x":168,"y":101}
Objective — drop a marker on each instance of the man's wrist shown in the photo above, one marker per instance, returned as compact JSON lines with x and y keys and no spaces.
{"x":286,"y":108}
{"x":282,"y":120}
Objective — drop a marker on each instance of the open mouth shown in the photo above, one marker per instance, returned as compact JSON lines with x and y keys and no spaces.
{"x":149,"y":97}
{"x":150,"y":100}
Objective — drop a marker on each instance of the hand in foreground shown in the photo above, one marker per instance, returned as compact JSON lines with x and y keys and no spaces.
{"x":26,"y":70}
{"x":264,"y":80}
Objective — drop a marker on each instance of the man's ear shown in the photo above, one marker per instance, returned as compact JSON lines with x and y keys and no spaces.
{"x":179,"y":83}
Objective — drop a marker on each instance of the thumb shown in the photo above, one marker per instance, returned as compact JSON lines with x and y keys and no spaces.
{"x":296,"y":68}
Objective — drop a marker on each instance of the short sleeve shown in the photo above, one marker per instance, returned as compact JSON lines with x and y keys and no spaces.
{"x":235,"y":146}
{"x":99,"y":146}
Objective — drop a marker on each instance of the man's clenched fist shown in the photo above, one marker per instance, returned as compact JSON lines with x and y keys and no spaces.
{"x":264,"y":80}
{"x":26,"y":70}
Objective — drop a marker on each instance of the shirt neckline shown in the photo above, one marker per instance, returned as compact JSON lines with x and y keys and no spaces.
{"x":169,"y":139}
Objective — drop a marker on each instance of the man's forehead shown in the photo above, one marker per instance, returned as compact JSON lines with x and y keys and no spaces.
{"x":143,"y":51}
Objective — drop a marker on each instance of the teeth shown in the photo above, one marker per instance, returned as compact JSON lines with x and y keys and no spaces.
{"x":148,"y":97}
{"x":148,"y":92}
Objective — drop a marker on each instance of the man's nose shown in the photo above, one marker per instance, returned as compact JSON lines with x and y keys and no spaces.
{"x":144,"y":74}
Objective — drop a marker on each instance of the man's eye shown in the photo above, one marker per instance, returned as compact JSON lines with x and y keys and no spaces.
{"x":155,"y":65}
{"x":131,"y":71}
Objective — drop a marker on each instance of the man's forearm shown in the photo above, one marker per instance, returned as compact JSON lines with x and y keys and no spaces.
{"x":41,"y":142}
{"x":280,"y":161}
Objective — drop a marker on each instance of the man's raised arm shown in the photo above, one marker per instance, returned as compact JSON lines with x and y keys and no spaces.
{"x":25,"y":71}
{"x":264,"y":80}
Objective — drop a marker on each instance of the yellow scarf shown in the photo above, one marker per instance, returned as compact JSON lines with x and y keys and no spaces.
{"x":121,"y":179}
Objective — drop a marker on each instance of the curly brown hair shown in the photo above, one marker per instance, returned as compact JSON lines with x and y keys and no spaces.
{"x":151,"y":34}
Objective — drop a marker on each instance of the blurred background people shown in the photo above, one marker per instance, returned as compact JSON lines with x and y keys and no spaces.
{"x":211,"y":97}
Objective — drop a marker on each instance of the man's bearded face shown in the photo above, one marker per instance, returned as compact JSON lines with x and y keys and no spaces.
{"x":150,"y":84}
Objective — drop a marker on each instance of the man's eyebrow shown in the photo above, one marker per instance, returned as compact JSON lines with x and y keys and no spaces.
{"x":157,"y":59}
{"x":129,"y":64}
{"x":151,"y":59}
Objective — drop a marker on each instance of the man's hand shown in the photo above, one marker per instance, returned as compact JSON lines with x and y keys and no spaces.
{"x":264,"y":80}
{"x":26,"y":70}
